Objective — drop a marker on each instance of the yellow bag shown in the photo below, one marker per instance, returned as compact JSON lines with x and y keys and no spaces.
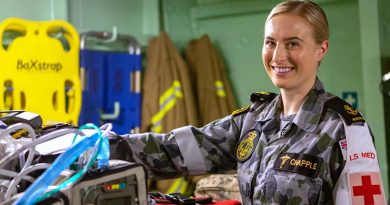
{"x":39,"y":69}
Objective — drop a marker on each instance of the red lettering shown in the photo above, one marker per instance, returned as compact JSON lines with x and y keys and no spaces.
{"x":353,"y":157}
{"x":370,"y":155}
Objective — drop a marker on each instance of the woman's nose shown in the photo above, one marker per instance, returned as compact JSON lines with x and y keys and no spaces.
{"x":279,"y":54}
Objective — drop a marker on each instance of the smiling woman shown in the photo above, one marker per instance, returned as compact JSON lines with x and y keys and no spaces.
{"x":290,"y":53}
{"x":302,"y":146}
{"x":295,"y":42}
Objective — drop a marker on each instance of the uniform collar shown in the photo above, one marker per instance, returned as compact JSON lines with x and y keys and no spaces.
{"x":308,"y":115}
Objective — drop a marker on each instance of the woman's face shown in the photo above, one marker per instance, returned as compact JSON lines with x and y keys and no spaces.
{"x":290,"y":53}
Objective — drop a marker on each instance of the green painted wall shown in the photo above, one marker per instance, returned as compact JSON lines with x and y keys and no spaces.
{"x":371,"y":69}
{"x":384,"y":29}
{"x":177,"y":21}
{"x":384,"y":26}
{"x":37,"y":10}
{"x":360,"y":33}
{"x":99,"y":15}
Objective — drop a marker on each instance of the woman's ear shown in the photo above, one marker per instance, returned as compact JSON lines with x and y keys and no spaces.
{"x":323,"y":49}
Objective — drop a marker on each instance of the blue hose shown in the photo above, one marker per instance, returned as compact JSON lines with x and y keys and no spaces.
{"x":38,"y":188}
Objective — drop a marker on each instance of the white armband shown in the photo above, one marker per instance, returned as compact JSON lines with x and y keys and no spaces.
{"x":360,"y":181}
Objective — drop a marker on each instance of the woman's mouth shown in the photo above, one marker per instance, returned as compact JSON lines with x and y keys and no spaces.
{"x":282,"y":70}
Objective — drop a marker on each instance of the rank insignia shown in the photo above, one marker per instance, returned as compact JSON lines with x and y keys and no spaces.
{"x":247,"y":145}
{"x":240,"y":111}
{"x":263,"y":96}
{"x":349,"y":113}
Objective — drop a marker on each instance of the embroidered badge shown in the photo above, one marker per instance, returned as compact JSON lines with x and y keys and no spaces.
{"x":350,"y":110}
{"x":247,"y":145}
{"x":366,"y":188}
{"x":240,"y":111}
{"x":305,"y":164}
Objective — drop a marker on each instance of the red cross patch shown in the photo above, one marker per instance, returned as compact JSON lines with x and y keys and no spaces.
{"x":366,"y":188}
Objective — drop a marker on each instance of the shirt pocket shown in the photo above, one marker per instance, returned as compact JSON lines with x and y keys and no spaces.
{"x":291,"y":188}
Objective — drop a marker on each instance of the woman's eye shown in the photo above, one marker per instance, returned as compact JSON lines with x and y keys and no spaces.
{"x":269,"y":44}
{"x":292,"y":44}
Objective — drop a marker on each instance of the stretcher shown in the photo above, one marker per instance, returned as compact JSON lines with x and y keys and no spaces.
{"x":111,"y":80}
{"x":39,"y":69}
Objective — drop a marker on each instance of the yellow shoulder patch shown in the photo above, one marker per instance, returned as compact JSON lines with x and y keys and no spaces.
{"x":240,"y":111}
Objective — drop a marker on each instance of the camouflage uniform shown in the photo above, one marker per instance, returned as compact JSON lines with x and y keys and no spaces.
{"x":299,"y":164}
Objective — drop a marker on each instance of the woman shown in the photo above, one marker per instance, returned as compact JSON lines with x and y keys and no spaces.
{"x":303,"y":146}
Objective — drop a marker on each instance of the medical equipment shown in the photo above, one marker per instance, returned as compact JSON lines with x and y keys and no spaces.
{"x":74,"y":177}
{"x":39,"y":68}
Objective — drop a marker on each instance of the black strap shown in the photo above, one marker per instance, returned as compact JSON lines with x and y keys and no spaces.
{"x":178,"y":198}
{"x":347,"y":111}
{"x":263,"y":96}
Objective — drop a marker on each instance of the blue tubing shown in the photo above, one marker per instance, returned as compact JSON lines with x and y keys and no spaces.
{"x":104,"y":154}
{"x":38,"y":188}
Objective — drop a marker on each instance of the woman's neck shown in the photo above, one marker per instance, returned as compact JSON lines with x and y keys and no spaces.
{"x":292,"y":100}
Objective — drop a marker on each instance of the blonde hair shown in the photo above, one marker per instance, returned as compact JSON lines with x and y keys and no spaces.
{"x":308,"y":10}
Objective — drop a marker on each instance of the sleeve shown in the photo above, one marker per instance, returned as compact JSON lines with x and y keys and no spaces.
{"x":187,"y":150}
{"x":360,"y":180}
